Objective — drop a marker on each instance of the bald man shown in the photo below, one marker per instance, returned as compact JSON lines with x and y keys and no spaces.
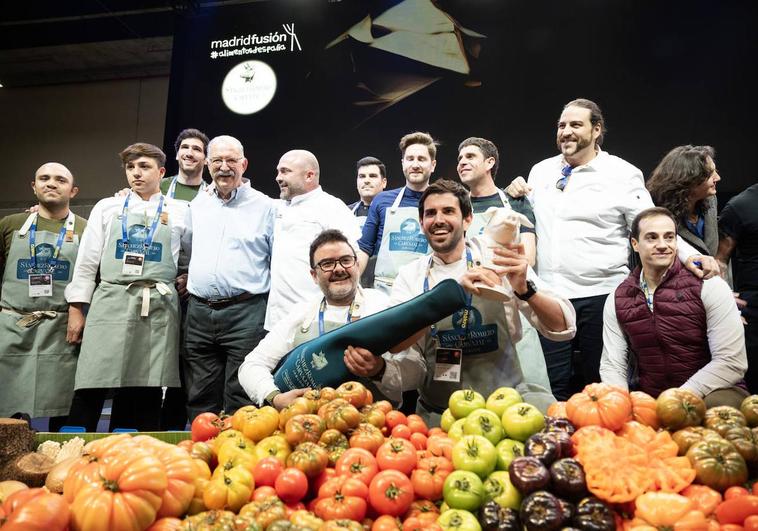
{"x":37,"y":254}
{"x":304,"y":210}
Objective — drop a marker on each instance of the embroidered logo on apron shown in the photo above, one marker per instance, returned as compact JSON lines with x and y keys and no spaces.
{"x":137,"y":237}
{"x":409,"y":239}
{"x":480,"y":339}
{"x":44,"y":253}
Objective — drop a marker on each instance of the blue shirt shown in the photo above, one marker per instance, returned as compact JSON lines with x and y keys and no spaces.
{"x":374,"y":226}
{"x":231,"y":243}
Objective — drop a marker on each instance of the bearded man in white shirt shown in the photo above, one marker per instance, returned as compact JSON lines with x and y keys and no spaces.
{"x":584,"y":202}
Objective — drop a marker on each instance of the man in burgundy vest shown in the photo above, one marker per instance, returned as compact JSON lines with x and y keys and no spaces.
{"x":681,"y":330}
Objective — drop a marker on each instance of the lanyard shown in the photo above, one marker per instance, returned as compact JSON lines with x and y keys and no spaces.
{"x":153,"y":227}
{"x":68,"y":226}
{"x":469,"y":297}
{"x":322,"y":308}
{"x":172,"y":187}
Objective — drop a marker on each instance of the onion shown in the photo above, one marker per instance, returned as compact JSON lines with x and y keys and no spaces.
{"x":9,"y":487}
{"x":58,"y":475}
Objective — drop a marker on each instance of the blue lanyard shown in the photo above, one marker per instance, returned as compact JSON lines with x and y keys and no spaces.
{"x":469,"y":296}
{"x":58,"y":244}
{"x":153,"y":227}
{"x":321,"y":310}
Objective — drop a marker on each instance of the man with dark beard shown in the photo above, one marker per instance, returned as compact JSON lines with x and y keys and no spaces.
{"x":334,"y":269}
{"x":190,"y":148}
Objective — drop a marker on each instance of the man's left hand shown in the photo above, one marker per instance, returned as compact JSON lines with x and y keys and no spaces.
{"x":512,"y":261}
{"x":362,"y":362}
{"x":708,"y":266}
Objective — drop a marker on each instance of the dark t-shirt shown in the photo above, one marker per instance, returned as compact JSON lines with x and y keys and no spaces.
{"x":739,"y":220}
{"x":183,"y":191}
{"x":361,"y":211}
{"x":520,"y":205}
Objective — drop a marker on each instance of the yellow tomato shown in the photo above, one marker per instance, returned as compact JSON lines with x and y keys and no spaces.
{"x":229,"y":490}
{"x":273,"y":446}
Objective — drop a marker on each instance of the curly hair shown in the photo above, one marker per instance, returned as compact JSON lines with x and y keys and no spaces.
{"x":682,"y":169}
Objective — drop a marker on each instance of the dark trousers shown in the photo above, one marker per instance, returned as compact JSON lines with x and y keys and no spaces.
{"x":750,"y":312}
{"x":216,"y":343}
{"x":136,"y":408}
{"x":559,"y":355}
{"x":174,"y":409}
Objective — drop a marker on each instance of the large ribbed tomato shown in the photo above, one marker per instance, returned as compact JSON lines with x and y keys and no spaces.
{"x":678,"y":408}
{"x":34,"y":510}
{"x":718,"y":464}
{"x":643,"y":409}
{"x":599,"y":404}
{"x":123,"y":492}
{"x":180,"y":473}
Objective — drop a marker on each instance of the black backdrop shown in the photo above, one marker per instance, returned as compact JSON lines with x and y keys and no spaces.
{"x":664,"y":73}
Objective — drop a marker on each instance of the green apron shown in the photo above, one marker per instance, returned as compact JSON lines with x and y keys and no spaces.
{"x":36,"y":362}
{"x":309,"y":330}
{"x":402,"y":242}
{"x":529,"y":348}
{"x":131,"y":336}
{"x":489,"y":360}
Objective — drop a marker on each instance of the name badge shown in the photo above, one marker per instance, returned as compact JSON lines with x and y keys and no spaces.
{"x":447,"y":366}
{"x":40,"y":285}
{"x":133,"y":263}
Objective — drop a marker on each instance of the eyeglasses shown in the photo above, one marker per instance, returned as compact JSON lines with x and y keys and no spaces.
{"x":217,"y":163}
{"x":563,"y":181}
{"x":328,"y":265}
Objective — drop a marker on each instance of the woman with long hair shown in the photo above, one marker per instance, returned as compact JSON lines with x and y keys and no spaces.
{"x":685,"y":183}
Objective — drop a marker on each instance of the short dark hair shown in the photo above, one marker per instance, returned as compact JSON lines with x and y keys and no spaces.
{"x":596,"y":115}
{"x":372,"y":161}
{"x":488,"y":149}
{"x":141,"y":149}
{"x":649,"y":213}
{"x":425,"y":139}
{"x":446,"y":186}
{"x":326,"y":236}
{"x":191,"y":133}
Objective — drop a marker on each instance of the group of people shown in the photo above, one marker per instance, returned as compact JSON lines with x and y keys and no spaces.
{"x":177,"y":297}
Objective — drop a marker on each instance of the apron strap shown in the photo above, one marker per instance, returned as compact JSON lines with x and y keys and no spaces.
{"x":146,"y":286}
{"x":396,"y":203}
{"x":30,"y":319}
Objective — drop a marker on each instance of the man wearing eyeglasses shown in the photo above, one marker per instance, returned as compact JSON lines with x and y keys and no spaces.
{"x":340,"y":300}
{"x":584,"y":202}
{"x":230,"y":232}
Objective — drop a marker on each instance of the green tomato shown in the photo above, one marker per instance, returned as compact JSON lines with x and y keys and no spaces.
{"x":507,"y":451}
{"x":498,"y":487}
{"x":501,"y":398}
{"x":447,"y":420}
{"x":463,"y":490}
{"x":456,"y":430}
{"x":457,"y":520}
{"x":475,"y":454}
{"x":464,"y":401}
{"x":485,"y":423}
{"x":521,"y":421}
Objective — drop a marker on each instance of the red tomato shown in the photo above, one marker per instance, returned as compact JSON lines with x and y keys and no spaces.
{"x":393,"y":418}
{"x":401,"y":431}
{"x":357,"y":463}
{"x":429,"y":478}
{"x":291,"y":485}
{"x":736,"y":510}
{"x":319,"y":480}
{"x":436,"y":431}
{"x":262,"y":493}
{"x":391,"y":493}
{"x":345,"y":486}
{"x":731,"y":527}
{"x":387,"y":523}
{"x":735,"y":492}
{"x":751,"y":523}
{"x":417,"y":424}
{"x":292,"y":507}
{"x":206,"y":426}
{"x":418,"y":440}
{"x":266,"y":471}
{"x":397,"y":454}
{"x":414,"y":523}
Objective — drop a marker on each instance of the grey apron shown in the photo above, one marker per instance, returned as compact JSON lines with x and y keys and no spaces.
{"x":402,"y":242}
{"x":489,"y":360}
{"x":529,"y":348}
{"x":131,"y":336}
{"x":36,"y":363}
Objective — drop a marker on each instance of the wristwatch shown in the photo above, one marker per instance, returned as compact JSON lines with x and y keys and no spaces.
{"x":269,"y":400}
{"x":531,"y":289}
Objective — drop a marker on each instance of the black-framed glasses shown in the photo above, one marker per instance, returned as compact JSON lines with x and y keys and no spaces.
{"x":563,"y":181}
{"x":328,"y":265}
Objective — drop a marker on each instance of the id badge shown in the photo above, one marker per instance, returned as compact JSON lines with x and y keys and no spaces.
{"x":447,"y":366}
{"x":133,"y":263}
{"x":41,"y":285}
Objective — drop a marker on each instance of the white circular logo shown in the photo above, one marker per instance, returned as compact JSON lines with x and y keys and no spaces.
{"x":248,"y":87}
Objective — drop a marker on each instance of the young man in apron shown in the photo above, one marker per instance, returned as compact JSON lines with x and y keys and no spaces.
{"x":371,"y":180}
{"x":474,"y":348}
{"x":334,"y":269}
{"x":130,"y":341}
{"x":478,"y":161}
{"x":37,"y":255}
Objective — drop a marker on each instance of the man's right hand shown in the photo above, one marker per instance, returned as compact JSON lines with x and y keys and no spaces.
{"x":518,"y":187}
{"x":283,"y":400}
{"x":181,"y":286}
{"x":75,"y":325}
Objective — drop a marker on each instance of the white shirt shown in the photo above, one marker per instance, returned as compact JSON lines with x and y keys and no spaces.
{"x":255,"y":373}
{"x":726,"y":341}
{"x":96,"y":238}
{"x":410,"y":368}
{"x":298,"y":222}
